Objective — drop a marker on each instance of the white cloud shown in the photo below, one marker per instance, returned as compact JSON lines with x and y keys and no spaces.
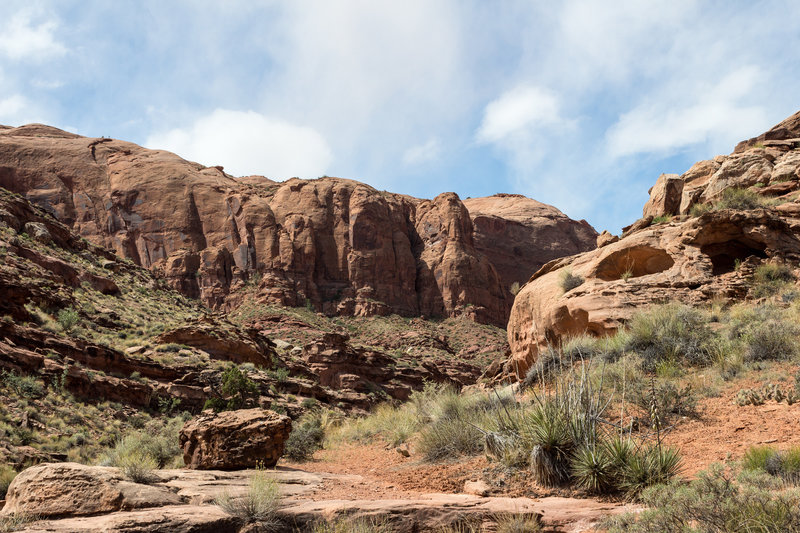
{"x":23,"y":39}
{"x":423,"y":153}
{"x":702,"y":114}
{"x":520,"y":110}
{"x":11,"y":106}
{"x":16,"y":110}
{"x":246,"y":142}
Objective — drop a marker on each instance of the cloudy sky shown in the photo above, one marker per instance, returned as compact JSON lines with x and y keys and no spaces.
{"x":580,"y":104}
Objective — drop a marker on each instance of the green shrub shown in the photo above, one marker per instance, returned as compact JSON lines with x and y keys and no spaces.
{"x":770,"y":278}
{"x":238,"y":391}
{"x":593,"y":469}
{"x":569,"y":280}
{"x":137,"y":465}
{"x":7,"y":475}
{"x":306,"y":437}
{"x":68,"y":318}
{"x":449,"y":438}
{"x":647,"y":467}
{"x":740,"y":199}
{"x":159,"y":444}
{"x":785,"y":465}
{"x":671,"y":332}
{"x":259,"y":504}
{"x":715,"y":502}
{"x":772,"y":340}
{"x":25,"y":386}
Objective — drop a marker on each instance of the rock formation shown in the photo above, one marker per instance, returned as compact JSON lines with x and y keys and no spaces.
{"x":700,"y":252}
{"x":337,"y":245}
{"x":231,"y":440}
{"x":519,"y":235}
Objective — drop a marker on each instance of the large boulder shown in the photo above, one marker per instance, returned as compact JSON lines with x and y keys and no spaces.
{"x":232,"y":440}
{"x":72,"y":489}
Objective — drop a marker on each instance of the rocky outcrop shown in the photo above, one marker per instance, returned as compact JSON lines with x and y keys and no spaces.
{"x":230,"y":440}
{"x":192,"y":509}
{"x":72,"y":489}
{"x":234,"y":346}
{"x":339,"y":365}
{"x":519,"y":235}
{"x":338,"y":245}
{"x":688,"y":258}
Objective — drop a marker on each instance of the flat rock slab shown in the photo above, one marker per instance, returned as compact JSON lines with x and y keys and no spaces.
{"x":182,"y":501}
{"x":174,"y":519}
{"x":432,"y":511}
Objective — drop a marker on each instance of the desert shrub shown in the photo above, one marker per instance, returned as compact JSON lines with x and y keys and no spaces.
{"x":25,"y":386}
{"x":649,"y":466}
{"x":7,"y":475}
{"x":259,"y":504}
{"x":237,"y":391}
{"x":660,"y":219}
{"x":782,"y":464}
{"x":569,"y":280}
{"x":137,"y":465}
{"x":770,"y":278}
{"x":449,"y":438}
{"x":699,"y":210}
{"x":306,"y":437}
{"x":772,"y":340}
{"x":158,"y":444}
{"x":517,"y":523}
{"x":353,"y":525}
{"x":740,"y":199}
{"x":68,"y":318}
{"x":663,"y":401}
{"x":16,"y":521}
{"x":515,"y":288}
{"x":715,"y":502}
{"x":671,"y":332}
{"x":549,"y":362}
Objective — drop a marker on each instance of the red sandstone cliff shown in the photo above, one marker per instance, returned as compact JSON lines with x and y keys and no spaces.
{"x":336,"y":244}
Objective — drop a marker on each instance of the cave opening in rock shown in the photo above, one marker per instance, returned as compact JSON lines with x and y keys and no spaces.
{"x":633,"y":262}
{"x":724,"y":255}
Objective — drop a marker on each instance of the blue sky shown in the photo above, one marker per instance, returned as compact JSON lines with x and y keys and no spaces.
{"x":580,"y":104}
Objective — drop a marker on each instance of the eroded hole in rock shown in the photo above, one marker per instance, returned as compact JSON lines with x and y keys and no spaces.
{"x":633,"y":262}
{"x":725,"y":254}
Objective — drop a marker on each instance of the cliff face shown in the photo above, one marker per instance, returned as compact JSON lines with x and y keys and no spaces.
{"x":699,"y":248}
{"x":338,"y":245}
{"x":519,"y":235}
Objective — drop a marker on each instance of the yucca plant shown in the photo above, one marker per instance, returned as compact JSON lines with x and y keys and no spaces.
{"x":549,"y":433}
{"x":593,"y":469}
{"x":517,"y":523}
{"x":649,"y":466}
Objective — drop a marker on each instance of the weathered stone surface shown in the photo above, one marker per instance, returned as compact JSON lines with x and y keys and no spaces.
{"x":227,"y":345}
{"x":337,"y":244}
{"x":71,"y":489}
{"x":665,"y":196}
{"x":519,"y":234}
{"x":606,"y":238}
{"x":231,"y":440}
{"x":339,"y":365}
{"x":176,"y":519}
{"x":195,"y":513}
